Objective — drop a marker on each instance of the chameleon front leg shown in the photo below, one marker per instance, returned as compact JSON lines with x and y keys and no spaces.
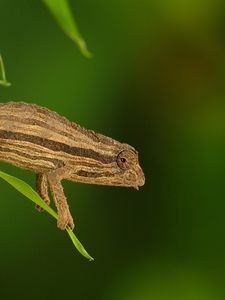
{"x":42,"y":189}
{"x":64,"y":216}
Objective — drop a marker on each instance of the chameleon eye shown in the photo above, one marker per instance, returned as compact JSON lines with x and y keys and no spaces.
{"x":122,"y":160}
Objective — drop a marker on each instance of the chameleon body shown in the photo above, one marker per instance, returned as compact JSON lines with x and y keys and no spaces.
{"x":40,"y":140}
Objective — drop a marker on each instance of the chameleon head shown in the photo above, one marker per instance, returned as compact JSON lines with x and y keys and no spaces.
{"x":129,"y":172}
{"x":121,"y":168}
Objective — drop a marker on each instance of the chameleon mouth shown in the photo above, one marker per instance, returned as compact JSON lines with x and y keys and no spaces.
{"x":141,"y":182}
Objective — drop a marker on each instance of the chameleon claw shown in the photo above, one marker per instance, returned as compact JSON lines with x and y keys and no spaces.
{"x":39,"y":208}
{"x":65,"y":219}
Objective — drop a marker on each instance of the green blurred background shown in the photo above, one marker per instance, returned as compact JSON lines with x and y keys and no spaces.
{"x":156,"y":81}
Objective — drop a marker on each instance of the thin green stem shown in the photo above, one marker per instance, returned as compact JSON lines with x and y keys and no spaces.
{"x":3,"y":82}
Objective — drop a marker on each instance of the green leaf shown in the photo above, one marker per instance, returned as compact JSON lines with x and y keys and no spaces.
{"x":61,"y":11}
{"x":27,"y":191}
{"x":3,"y":81}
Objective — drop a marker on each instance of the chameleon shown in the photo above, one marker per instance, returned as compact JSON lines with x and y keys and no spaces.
{"x":40,"y":140}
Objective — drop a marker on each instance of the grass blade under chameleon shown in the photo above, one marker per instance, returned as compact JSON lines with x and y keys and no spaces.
{"x":27,"y":191}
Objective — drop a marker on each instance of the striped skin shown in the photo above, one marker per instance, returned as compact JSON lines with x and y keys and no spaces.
{"x":37,"y":139}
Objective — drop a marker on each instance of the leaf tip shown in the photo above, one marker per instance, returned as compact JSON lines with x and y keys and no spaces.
{"x":5,"y":83}
{"x":83,"y":48}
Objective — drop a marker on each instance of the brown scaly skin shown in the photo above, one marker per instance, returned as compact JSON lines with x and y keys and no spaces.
{"x":37,"y":139}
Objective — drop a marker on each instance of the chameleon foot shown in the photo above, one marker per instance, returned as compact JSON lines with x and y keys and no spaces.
{"x":65,"y":219}
{"x":64,"y":215}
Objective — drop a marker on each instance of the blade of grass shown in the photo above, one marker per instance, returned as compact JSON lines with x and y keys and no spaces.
{"x":3,"y":81}
{"x":27,"y":191}
{"x":62,"y":13}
